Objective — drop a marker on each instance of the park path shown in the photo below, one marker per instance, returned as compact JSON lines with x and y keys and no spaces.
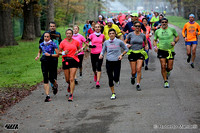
{"x":154,"y":109}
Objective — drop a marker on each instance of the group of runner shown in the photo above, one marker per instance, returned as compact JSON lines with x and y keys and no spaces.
{"x":131,"y":33}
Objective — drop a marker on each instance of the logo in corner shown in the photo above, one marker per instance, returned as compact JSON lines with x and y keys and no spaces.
{"x":11,"y":126}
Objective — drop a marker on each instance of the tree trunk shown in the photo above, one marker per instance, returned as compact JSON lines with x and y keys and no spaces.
{"x":29,"y":30}
{"x":74,"y":18}
{"x":37,"y":14}
{"x":179,"y":7}
{"x":6,"y":26}
{"x":50,"y":13}
{"x":196,"y":12}
{"x":99,"y":7}
{"x":37,"y":26}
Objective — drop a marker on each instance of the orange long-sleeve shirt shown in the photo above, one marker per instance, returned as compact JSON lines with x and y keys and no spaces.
{"x":191,"y":30}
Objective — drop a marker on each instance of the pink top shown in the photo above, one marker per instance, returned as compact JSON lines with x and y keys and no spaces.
{"x":98,"y":42}
{"x":148,"y":30}
{"x":80,"y":39}
{"x":104,"y":23}
{"x":140,"y":18}
{"x":121,"y":18}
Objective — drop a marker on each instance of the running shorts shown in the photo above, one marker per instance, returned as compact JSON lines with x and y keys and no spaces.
{"x":190,"y":43}
{"x":69,"y":63}
{"x":165,"y":54}
{"x":135,"y":57}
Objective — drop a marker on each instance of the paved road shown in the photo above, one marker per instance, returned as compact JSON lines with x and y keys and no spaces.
{"x":154,"y":109}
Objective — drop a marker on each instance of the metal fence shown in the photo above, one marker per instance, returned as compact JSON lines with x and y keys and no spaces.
{"x":18,"y":25}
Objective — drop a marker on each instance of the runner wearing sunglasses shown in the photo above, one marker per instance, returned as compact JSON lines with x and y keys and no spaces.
{"x":166,"y":48}
{"x":136,"y":53}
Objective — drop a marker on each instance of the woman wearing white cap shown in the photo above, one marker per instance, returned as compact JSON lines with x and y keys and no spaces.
{"x":101,"y":22}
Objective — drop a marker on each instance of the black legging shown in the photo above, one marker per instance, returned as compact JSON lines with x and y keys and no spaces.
{"x":81,"y":60}
{"x":113,"y":70}
{"x":49,"y":70}
{"x":55,"y":68}
{"x":96,"y":62}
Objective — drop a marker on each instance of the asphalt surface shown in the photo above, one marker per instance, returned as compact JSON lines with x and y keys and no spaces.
{"x":154,"y":109}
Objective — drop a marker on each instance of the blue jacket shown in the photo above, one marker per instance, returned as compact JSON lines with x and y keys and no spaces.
{"x":86,"y":28}
{"x":129,"y":26}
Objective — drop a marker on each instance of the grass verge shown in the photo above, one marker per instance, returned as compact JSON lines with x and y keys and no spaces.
{"x":179,"y":21}
{"x":18,"y":68}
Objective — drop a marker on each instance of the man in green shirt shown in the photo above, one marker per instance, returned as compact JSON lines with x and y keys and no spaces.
{"x":167,"y":37}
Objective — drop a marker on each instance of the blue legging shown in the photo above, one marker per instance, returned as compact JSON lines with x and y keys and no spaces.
{"x":147,"y":60}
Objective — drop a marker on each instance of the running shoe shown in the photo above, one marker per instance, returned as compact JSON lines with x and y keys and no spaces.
{"x":113,"y":97}
{"x":97,"y":84}
{"x":76,"y":81}
{"x":70,"y":98}
{"x":55,"y":89}
{"x":138,"y":87}
{"x":80,"y":74}
{"x":95,"y":78}
{"x":48,"y":99}
{"x":117,"y":84}
{"x":168,"y":74}
{"x":132,"y":80}
{"x":146,"y":68}
{"x":166,"y":84}
{"x":192,"y":65}
{"x":188,"y":59}
{"x":68,"y":89}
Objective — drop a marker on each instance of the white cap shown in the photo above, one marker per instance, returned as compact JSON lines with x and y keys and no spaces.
{"x":100,"y":16}
{"x":110,"y":20}
{"x":192,"y":15}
